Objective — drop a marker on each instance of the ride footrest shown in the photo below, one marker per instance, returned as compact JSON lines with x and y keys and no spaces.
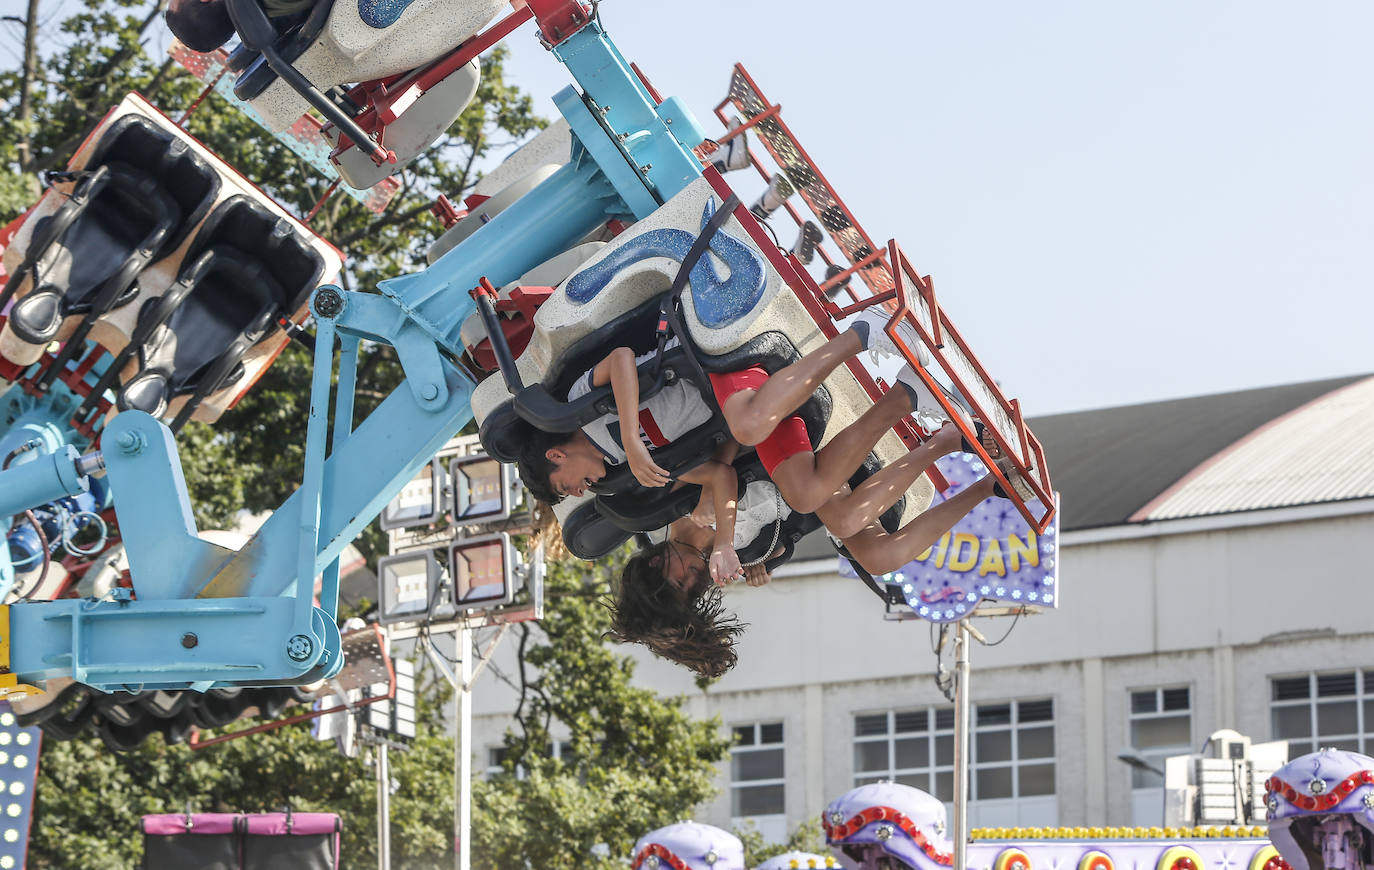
{"x":1024,"y":475}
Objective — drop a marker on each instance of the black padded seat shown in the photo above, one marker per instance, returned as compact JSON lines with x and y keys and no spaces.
{"x":91,"y":251}
{"x":648,"y":510}
{"x":588,"y":535}
{"x":141,"y":193}
{"x":545,"y":405}
{"x":184,"y":174}
{"x":296,"y":33}
{"x":247,"y":267}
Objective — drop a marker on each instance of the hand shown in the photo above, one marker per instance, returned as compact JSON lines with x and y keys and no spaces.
{"x":725,"y":567}
{"x":646,"y":471}
{"x":757,"y":575}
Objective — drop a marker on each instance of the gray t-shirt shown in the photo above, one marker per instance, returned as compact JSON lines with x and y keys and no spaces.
{"x":666,"y":415}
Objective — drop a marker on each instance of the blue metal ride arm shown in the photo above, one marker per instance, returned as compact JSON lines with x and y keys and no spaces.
{"x":207,"y":616}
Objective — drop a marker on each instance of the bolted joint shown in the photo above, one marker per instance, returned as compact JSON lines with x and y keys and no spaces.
{"x":299,"y":648}
{"x":131,"y":442}
{"x":189,"y":640}
{"x":328,"y":302}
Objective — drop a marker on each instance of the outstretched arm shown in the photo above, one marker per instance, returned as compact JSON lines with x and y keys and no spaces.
{"x":720,"y":484}
{"x":618,"y":369}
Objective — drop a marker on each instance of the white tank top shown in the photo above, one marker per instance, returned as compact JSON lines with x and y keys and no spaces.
{"x":758,"y":510}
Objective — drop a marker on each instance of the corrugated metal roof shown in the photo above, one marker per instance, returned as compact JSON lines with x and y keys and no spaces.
{"x":1320,"y":452}
{"x":1126,"y":464}
{"x":1110,"y":462}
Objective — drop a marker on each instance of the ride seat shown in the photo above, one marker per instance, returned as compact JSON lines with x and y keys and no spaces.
{"x":140,"y":194}
{"x":297,"y":33}
{"x":545,"y":407}
{"x":587,"y":534}
{"x":245,"y":268}
{"x":111,"y":227}
{"x":361,"y":40}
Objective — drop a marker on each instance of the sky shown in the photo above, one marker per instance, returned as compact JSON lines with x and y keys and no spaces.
{"x":1118,"y":203}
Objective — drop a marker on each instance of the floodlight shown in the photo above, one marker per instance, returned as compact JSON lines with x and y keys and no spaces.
{"x":419,"y":502}
{"x":483,"y":570}
{"x":483,"y":489}
{"x":408,"y":585}
{"x":397,"y":715}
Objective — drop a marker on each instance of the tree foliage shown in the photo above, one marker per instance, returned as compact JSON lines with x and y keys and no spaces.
{"x":638,"y":762}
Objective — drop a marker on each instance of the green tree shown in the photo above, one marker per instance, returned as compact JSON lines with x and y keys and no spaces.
{"x":808,"y":837}
{"x":638,"y":761}
{"x":90,"y":800}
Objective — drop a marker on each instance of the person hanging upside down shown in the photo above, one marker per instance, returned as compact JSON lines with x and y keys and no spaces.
{"x":760,"y":412}
{"x":667,"y":601}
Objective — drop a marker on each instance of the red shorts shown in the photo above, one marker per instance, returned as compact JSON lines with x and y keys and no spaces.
{"x":787,"y":440}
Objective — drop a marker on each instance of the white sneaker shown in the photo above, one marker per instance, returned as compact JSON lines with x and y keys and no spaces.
{"x":880,"y":344}
{"x":772,"y":198}
{"x":925,"y":407}
{"x":733,"y":154}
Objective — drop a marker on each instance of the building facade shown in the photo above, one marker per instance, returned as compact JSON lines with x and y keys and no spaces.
{"x":1214,"y":572}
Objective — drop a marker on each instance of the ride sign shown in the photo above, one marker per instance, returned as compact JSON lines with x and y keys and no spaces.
{"x":991,"y":554}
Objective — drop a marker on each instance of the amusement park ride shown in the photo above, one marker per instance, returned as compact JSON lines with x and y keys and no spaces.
{"x":152,"y":285}
{"x":176,"y":317}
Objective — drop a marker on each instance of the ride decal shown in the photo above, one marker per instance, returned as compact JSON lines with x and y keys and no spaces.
{"x":990,"y":554}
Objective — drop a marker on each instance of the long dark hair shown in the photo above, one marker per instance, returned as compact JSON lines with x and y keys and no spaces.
{"x":694,"y":631}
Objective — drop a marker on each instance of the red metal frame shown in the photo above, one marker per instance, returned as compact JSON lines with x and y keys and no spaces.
{"x":524,"y":301}
{"x":388,"y":98}
{"x":1028,"y":450}
{"x":889,"y":277}
{"x":559,"y":19}
{"x":75,"y":379}
{"x":648,"y":85}
{"x":877,"y":279}
{"x":804,"y":288}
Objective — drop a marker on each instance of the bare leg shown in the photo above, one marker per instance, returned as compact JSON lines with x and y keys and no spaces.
{"x":879,"y":552}
{"x":754,"y":414}
{"x":849,"y":513}
{"x":809,"y":480}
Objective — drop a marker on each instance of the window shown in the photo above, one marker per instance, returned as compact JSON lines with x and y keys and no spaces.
{"x":1161,"y":725}
{"x":1314,"y":711}
{"x":757,"y":779}
{"x":1012,"y":745}
{"x":496,"y":758}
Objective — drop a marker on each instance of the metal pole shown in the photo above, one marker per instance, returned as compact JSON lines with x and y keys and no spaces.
{"x":961,"y":745}
{"x":383,"y":809}
{"x":462,"y":749}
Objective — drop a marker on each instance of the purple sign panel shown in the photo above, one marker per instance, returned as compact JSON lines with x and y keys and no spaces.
{"x":991,"y":554}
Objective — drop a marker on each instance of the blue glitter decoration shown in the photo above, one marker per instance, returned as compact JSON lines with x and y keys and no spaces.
{"x":989,"y":554}
{"x":719,"y":301}
{"x":381,"y":13}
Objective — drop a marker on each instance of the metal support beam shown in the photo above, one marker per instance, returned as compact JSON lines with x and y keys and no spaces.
{"x":962,"y":760}
{"x":462,"y":751}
